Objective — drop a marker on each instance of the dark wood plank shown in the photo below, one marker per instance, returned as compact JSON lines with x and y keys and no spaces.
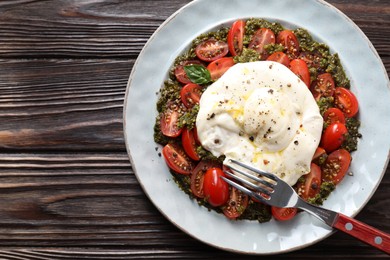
{"x":91,"y":28}
{"x":109,"y":28}
{"x":78,"y":105}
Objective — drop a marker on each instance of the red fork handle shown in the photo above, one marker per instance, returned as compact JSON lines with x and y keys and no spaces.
{"x":363,"y":232}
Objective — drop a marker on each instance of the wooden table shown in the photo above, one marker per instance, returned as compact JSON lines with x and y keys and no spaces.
{"x":67,"y":189}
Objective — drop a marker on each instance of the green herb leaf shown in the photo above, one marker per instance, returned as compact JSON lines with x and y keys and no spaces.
{"x":198,"y":74}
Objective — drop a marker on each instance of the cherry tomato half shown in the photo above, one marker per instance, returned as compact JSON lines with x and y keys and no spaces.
{"x":197,"y":177}
{"x":236,"y":204}
{"x":189,"y":145}
{"x":180,"y":73}
{"x":299,"y":67}
{"x":218,"y":67}
{"x":333,"y":115}
{"x":190,"y":94}
{"x":262,"y":37}
{"x":280,"y":57}
{"x":323,"y":86}
{"x":197,"y":141}
{"x":215,"y":189}
{"x":313,"y":60}
{"x":288,"y":39}
{"x":346,"y":101}
{"x":333,"y":137}
{"x":311,"y":186}
{"x":211,"y":50}
{"x":336,"y":166}
{"x":170,"y":118}
{"x":318,"y":153}
{"x":283,"y":214}
{"x":235,"y":37}
{"x":177,"y":159}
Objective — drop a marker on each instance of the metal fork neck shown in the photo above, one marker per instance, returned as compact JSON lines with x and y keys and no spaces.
{"x":328,"y":216}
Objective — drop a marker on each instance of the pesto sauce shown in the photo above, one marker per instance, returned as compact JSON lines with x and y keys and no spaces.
{"x":325,"y":190}
{"x":247,"y":55}
{"x":207,"y":155}
{"x":159,"y":137}
{"x":273,"y":47}
{"x":336,"y":69}
{"x":188,"y":120}
{"x":351,"y":138}
{"x":257,"y":211}
{"x":184,"y":182}
{"x":324,"y":103}
{"x":169,"y":92}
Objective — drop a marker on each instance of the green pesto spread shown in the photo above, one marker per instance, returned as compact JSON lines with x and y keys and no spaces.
{"x":206,"y":155}
{"x":351,"y":138}
{"x":169,"y":92}
{"x":188,"y":119}
{"x":257,"y":211}
{"x":247,"y":55}
{"x":324,"y":103}
{"x":325,"y":190}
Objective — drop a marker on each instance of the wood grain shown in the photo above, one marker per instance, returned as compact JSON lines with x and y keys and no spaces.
{"x":67,"y":189}
{"x":93,"y":28}
{"x":77,"y":106}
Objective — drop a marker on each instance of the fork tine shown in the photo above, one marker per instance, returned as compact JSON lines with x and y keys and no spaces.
{"x":266,"y":174}
{"x":245,"y":190}
{"x":254,"y":186}
{"x":262,"y":181}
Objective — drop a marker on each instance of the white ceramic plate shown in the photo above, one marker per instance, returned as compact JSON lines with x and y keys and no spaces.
{"x":369,"y":82}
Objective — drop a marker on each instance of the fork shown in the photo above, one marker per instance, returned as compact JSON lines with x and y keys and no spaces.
{"x":273,"y":191}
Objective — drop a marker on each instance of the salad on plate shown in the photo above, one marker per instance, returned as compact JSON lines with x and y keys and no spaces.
{"x":263,"y":94}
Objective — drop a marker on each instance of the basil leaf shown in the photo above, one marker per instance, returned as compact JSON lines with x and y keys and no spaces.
{"x":198,"y":74}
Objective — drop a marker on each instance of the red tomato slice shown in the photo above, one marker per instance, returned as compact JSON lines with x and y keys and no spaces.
{"x":346,"y":101}
{"x":280,"y":57}
{"x":323,"y":86}
{"x":299,"y":67}
{"x":333,"y":115}
{"x":190,"y":94}
{"x":196,"y":136}
{"x":197,"y":177}
{"x":189,"y":145}
{"x":215,"y":189}
{"x":211,"y":50}
{"x":235,"y":37}
{"x":319,"y":152}
{"x":333,"y":137}
{"x":313,"y":60}
{"x":218,"y":67}
{"x":236,"y":204}
{"x":180,"y":73}
{"x":288,"y":39}
{"x":319,"y":156}
{"x":336,"y":166}
{"x":170,"y":118}
{"x":311,"y":187}
{"x":262,"y":37}
{"x":283,"y":214}
{"x":177,"y":159}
